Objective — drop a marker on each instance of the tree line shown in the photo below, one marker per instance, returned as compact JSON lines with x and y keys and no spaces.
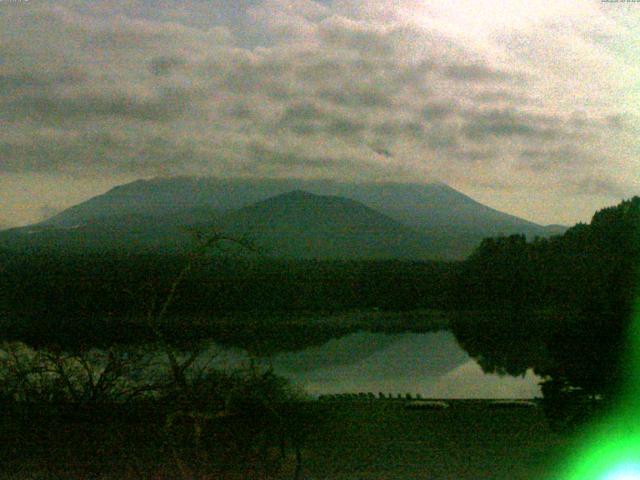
{"x":68,"y":299}
{"x":562,"y":306}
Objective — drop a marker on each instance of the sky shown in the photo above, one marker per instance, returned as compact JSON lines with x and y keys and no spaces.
{"x":529,"y":106}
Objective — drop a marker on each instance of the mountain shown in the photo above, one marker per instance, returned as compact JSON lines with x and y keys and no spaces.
{"x":300,"y":224}
{"x":296,"y":224}
{"x":133,"y":232}
{"x":417,"y":205}
{"x":150,"y":213}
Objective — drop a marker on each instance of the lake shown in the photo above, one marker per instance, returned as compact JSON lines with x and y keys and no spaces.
{"x":430,"y":364}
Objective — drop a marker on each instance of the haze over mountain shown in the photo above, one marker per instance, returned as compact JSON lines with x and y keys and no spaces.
{"x":289,"y":217}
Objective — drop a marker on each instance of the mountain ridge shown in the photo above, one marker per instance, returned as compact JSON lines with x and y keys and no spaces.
{"x":449,"y":221}
{"x":176,"y":193}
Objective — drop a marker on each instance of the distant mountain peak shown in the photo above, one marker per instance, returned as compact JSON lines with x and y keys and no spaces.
{"x":298,"y":194}
{"x":301,"y":224}
{"x":454,"y":222}
{"x":304,"y":196}
{"x":328,"y":207}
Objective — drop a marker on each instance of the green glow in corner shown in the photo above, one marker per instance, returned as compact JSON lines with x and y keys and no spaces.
{"x":624,"y":472}
{"x":611,"y":449}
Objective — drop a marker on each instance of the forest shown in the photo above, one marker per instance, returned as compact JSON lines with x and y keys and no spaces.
{"x":563,"y":306}
{"x":97,"y":299}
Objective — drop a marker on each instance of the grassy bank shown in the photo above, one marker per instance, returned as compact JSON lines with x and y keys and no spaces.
{"x":470,"y":440}
{"x":349,"y":440}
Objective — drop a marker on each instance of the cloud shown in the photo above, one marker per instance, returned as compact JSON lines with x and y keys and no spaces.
{"x":345,"y":89}
{"x":68,"y":152}
{"x":476,"y":73}
{"x":603,"y":186}
{"x":569,"y":157}
{"x":164,"y":64}
{"x":507,"y":123}
{"x":284,"y":20}
{"x":162,"y":105}
{"x":288,"y":159}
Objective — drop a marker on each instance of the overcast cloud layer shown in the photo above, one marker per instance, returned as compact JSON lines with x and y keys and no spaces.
{"x":530,"y":106}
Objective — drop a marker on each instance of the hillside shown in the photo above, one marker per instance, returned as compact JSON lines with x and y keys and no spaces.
{"x":124,"y":232}
{"x":431,"y":220}
{"x":303,"y":225}
{"x":417,"y":205}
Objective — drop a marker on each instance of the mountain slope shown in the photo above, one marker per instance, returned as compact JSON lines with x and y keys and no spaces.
{"x":303,"y":225}
{"x":453,"y":222}
{"x":297,"y":224}
{"x":417,"y":205}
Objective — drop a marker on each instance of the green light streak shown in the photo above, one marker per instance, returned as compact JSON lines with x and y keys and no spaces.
{"x":611,"y":448}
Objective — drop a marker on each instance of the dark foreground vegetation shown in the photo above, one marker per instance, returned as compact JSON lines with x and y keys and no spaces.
{"x":346,"y":440}
{"x":146,"y":414}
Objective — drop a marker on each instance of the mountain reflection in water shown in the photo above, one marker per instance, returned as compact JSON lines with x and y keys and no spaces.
{"x":430,"y":364}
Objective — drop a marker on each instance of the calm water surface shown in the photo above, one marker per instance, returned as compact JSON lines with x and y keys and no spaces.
{"x":430,"y":364}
